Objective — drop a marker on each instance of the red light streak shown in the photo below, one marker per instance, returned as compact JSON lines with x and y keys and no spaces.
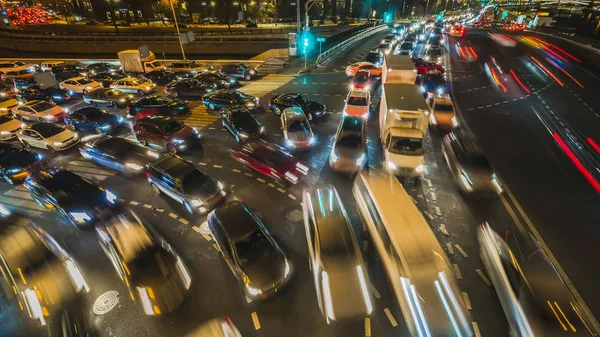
{"x":498,"y":81}
{"x":462,"y":53}
{"x":508,"y":38}
{"x":519,"y":82}
{"x":564,"y":52}
{"x":473,"y":52}
{"x":566,"y":73}
{"x":593,"y":144}
{"x":540,"y":41}
{"x":555,"y":54}
{"x":588,"y":176}
{"x":548,"y":71}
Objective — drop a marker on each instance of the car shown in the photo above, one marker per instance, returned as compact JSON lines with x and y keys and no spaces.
{"x":390,"y":38}
{"x":241,"y":124}
{"x":433,"y":56}
{"x":39,"y":111}
{"x":225,"y":98}
{"x":9,"y":127}
{"x":134,"y":86}
{"x":193,"y":67}
{"x":108,"y":97}
{"x":312,"y":109}
{"x":442,"y":114}
{"x":157,"y":105}
{"x":47,"y":65}
{"x":24,"y":81}
{"x":459,"y":30}
{"x":64,"y":72}
{"x":165,"y":133}
{"x":79,"y":85}
{"x":375,"y":57}
{"x":190,"y":87}
{"x":349,"y":150}
{"x":10,"y":66}
{"x":468,"y":163}
{"x":54,"y":94}
{"x":432,"y":81}
{"x":252,"y":254}
{"x":7,"y":103}
{"x":31,"y":67}
{"x":385,"y":47}
{"x":76,"y":198}
{"x":17,"y":164}
{"x":146,"y":263}
{"x":297,"y":134}
{"x":106,"y":78}
{"x":160,"y":77}
{"x":358,"y":103}
{"x":40,"y":275}
{"x":335,"y":259}
{"x":434,"y":43}
{"x":423,"y":67}
{"x":352,"y":69}
{"x":185,"y":183}
{"x":362,"y":80}
{"x":406,"y":48}
{"x":9,"y":76}
{"x":271,"y":160}
{"x":91,"y":119}
{"x":239,"y":70}
{"x":118,"y":154}
{"x":102,"y":67}
{"x":222,"y":80}
{"x":7,"y":90}
{"x":49,"y":136}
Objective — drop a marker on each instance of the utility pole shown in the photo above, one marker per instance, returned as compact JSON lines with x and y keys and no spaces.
{"x":298,"y":16}
{"x":112,"y":16}
{"x":177,"y":27}
{"x":426,"y":6}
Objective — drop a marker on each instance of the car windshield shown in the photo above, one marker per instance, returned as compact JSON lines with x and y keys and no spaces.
{"x":84,"y":81}
{"x":48,"y":130}
{"x":349,"y":141}
{"x":242,"y":117}
{"x":252,"y":248}
{"x":300,"y":100}
{"x":444,"y":108}
{"x":299,"y":126}
{"x":359,"y":101}
{"x":361,"y":77}
{"x":476,"y":160}
{"x":194,"y":181}
{"x":434,"y":52}
{"x":5,"y":119}
{"x":406,"y":45}
{"x":69,"y":188}
{"x":172,"y":127}
{"x":406,"y":146}
{"x":42,"y":106}
{"x":238,"y":95}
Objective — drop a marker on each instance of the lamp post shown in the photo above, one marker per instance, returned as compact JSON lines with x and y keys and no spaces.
{"x":177,"y":27}
{"x":112,"y":16}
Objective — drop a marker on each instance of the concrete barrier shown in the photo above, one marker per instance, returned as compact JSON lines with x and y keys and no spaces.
{"x":278,"y":52}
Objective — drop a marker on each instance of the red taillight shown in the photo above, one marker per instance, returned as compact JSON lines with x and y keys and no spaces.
{"x":270,"y":102}
{"x":128,"y":108}
{"x":166,"y":87}
{"x":147,"y":174}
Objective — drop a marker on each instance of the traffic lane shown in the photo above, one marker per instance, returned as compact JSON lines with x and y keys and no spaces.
{"x":356,"y":53}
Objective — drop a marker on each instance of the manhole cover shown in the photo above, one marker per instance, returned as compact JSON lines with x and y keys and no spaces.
{"x":106,"y":302}
{"x":295,"y":215}
{"x":204,"y":230}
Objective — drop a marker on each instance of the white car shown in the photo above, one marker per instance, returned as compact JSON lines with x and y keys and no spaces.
{"x":358,"y":103}
{"x":79,"y":85}
{"x":47,"y":65}
{"x":442,"y":113}
{"x":10,"y":66}
{"x":133,"y":85}
{"x":48,"y":136}
{"x":7,"y":103}
{"x":39,"y":111}
{"x":9,"y":127}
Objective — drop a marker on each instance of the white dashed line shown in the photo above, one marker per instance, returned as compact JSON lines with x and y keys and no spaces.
{"x":367,"y":327}
{"x":375,"y":292}
{"x":390,"y":317}
{"x":428,"y":215}
{"x":462,"y":252}
{"x":444,"y":230}
{"x":134,"y":203}
{"x":476,"y":329}
{"x":184,"y":221}
{"x":438,"y":211}
{"x":467,"y":301}
{"x":147,"y":206}
{"x":255,"y":320}
{"x":173,"y":215}
{"x":206,"y":236}
{"x":484,"y":277}
{"x":457,"y":271}
{"x":450,"y":249}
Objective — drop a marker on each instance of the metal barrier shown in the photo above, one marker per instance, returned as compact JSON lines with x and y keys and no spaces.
{"x":328,"y":55}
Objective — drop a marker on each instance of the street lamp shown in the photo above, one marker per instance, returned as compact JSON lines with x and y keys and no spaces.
{"x":112,"y":16}
{"x":177,"y":27}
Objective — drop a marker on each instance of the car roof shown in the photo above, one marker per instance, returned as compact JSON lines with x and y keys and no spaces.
{"x":157,"y":120}
{"x":352,"y":124}
{"x":294,"y":113}
{"x":87,"y":109}
{"x":358,"y":93}
{"x":75,"y":78}
{"x":442,"y":100}
{"x":34,"y":102}
{"x":174,"y":166}
{"x":236,"y":219}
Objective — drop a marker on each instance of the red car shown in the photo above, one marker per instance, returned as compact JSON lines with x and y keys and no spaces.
{"x":271,"y":160}
{"x":157,"y":105}
{"x":362,"y":80}
{"x":165,"y":133}
{"x":422,"y":68}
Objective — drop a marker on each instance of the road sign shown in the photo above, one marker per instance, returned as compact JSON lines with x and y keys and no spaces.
{"x":320,"y":39}
{"x":187,"y":37}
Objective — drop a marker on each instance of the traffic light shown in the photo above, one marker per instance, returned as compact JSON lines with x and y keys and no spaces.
{"x":307,"y":42}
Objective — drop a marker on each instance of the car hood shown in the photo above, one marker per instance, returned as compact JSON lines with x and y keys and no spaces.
{"x":251,"y":126}
{"x":9,"y":102}
{"x":57,"y":110}
{"x":266,"y":270}
{"x":357,"y":110}
{"x":205,"y":191}
{"x":299,"y":136}
{"x":184,"y":133}
{"x":313,"y":106}
{"x":61,"y":136}
{"x":17,"y":159}
{"x":10,"y":126}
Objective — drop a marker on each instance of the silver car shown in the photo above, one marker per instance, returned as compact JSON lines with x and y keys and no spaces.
{"x":339,"y":272}
{"x":296,"y":129}
{"x":349,"y":151}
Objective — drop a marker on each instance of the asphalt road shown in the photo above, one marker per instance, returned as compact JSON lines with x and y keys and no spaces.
{"x":543,"y":186}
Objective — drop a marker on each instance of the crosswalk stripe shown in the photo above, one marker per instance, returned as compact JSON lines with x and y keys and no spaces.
{"x":266,"y":84}
{"x":200,"y":117}
{"x":21,"y":204}
{"x":19,"y":194}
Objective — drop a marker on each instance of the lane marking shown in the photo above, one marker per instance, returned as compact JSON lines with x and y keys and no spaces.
{"x":280,"y":189}
{"x":236,"y":171}
{"x":248,"y":175}
{"x":438,"y":211}
{"x":462,"y":252}
{"x":173,"y":215}
{"x":134,"y":203}
{"x":271,"y":185}
{"x":205,"y":236}
{"x":159,"y":210}
{"x":390,"y":317}
{"x":413,"y":200}
{"x":457,"y":271}
{"x":216,"y":247}
{"x":261,"y":180}
{"x":367,"y":327}
{"x":202,"y":164}
{"x":433,"y":197}
{"x":483,"y":277}
{"x":375,"y":292}
{"x":444,"y":230}
{"x":428,"y":215}
{"x":476,"y":329}
{"x":248,"y":300}
{"x":196,"y":229}
{"x":291,"y":196}
{"x":450,"y":249}
{"x":147,"y":206}
{"x":184,"y":221}
{"x":217,"y":166}
{"x":255,"y":320}
{"x":467,"y":300}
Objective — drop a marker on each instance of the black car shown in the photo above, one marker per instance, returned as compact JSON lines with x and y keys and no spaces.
{"x":226,"y":98}
{"x":157,"y":105}
{"x":17,"y":164}
{"x":251,"y":24}
{"x":118,"y":154}
{"x":54,"y":94}
{"x":433,"y":81}
{"x":160,"y":76}
{"x":312,"y":109}
{"x":106,"y":78}
{"x":190,"y":87}
{"x":252,"y":254}
{"x":406,"y":48}
{"x":24,"y":82}
{"x":193,"y":67}
{"x":433,"y":56}
{"x":185,"y":183}
{"x":239,"y":70}
{"x":108,"y":97}
{"x":242,"y":125}
{"x":102,"y":67}
{"x":91,"y":119}
{"x":76,"y":198}
{"x":375,"y":57}
{"x":63,"y":72}
{"x":222,"y":80}
{"x":6,"y":89}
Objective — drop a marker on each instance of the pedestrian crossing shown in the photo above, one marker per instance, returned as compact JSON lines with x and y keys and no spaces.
{"x":200,"y":117}
{"x":266,"y":84}
{"x":90,"y":170}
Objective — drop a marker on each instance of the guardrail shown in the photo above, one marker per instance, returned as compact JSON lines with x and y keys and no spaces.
{"x":328,"y":55}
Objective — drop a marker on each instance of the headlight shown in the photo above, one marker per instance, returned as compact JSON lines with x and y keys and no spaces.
{"x":4,"y":132}
{"x":367,"y":87}
{"x":49,"y":117}
{"x":419,"y":168}
{"x":134,"y":166}
{"x":220,"y":185}
{"x":422,"y":88}
{"x":195,"y":130}
{"x":14,"y":170}
{"x":89,"y":88}
{"x":440,"y":90}
{"x":197,"y":203}
{"x":454,"y":121}
{"x":232,"y":81}
{"x":289,"y":143}
{"x":253,"y":291}
{"x":178,"y":141}
{"x":120,"y":120}
{"x":148,"y":88}
{"x":105,"y":127}
{"x":80,"y":217}
{"x":75,"y":135}
{"x":243,"y":135}
{"x":302,"y":168}
{"x":111,"y":197}
{"x":361,"y":160}
{"x":252,"y":72}
{"x":391,"y":165}
{"x":311,"y":140}
{"x":334,"y":157}
{"x":351,"y":86}
{"x":145,"y":300}
{"x":76,"y":276}
{"x":262,"y":129}
{"x":291,"y":177}
{"x":426,"y":58}
{"x":122,"y":100}
{"x":58,"y":143}
{"x":152,"y":154}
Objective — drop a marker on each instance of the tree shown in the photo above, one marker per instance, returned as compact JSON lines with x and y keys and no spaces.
{"x":267,"y":10}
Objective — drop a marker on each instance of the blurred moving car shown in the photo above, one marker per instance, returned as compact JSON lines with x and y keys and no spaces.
{"x":149,"y":266}
{"x":225,"y":98}
{"x":108,"y":97}
{"x":76,"y":198}
{"x":160,"y":76}
{"x":434,"y":56}
{"x":223,"y":81}
{"x":312,"y":109}
{"x":17,"y":164}
{"x":7,"y":90}
{"x":362,"y":80}
{"x":118,"y":154}
{"x":48,"y":136}
{"x":7,"y":103}
{"x":358,"y":103}
{"x":133,"y":86}
{"x":458,"y":30}
{"x":406,"y":48}
{"x":242,"y":125}
{"x":185,"y":183}
{"x":157,"y":105}
{"x":9,"y":76}
{"x":216,"y":327}
{"x":102,"y":67}
{"x":79,"y":85}
{"x":9,"y":127}
{"x":271,"y":160}
{"x":91,"y":119}
{"x":297,"y":133}
{"x":355,"y":67}
{"x":192,"y":67}
{"x":432,"y":81}
{"x":468,"y":163}
{"x":239,"y":70}
{"x":165,"y":133}
{"x":375,"y":57}
{"x":39,"y":111}
{"x":442,"y":114}
{"x":54,"y":94}
{"x":349,"y":150}
{"x":106,"y":78}
{"x":250,"y":251}
{"x":385,"y":48}
{"x":47,"y":65}
{"x":190,"y":87}
{"x":339,"y":273}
